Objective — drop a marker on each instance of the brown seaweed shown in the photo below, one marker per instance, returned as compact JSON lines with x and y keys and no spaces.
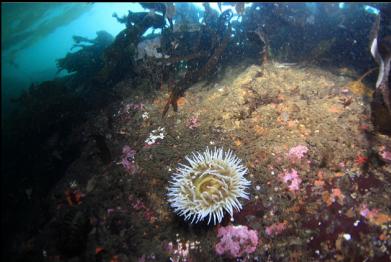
{"x":358,"y":86}
{"x":176,"y":59}
{"x":191,"y":77}
{"x":266,"y":48}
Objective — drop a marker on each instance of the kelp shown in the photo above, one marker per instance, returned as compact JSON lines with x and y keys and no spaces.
{"x":23,"y":16}
{"x":117,"y":57}
{"x":87,"y":60}
{"x":191,"y":77}
{"x":358,"y":87}
{"x":266,"y":45}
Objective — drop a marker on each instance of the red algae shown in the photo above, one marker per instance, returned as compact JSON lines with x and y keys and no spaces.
{"x":276,"y":229}
{"x":236,"y":241}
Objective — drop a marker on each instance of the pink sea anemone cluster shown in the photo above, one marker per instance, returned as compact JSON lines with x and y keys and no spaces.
{"x":128,"y":162}
{"x":193,"y":122}
{"x":297,"y":152}
{"x":292,"y":179}
{"x":236,"y":241}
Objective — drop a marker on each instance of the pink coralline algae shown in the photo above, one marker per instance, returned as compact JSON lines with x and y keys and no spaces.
{"x":193,"y":122}
{"x":275,"y":229}
{"x":236,"y":241}
{"x":386,"y":155}
{"x":144,"y":258}
{"x":178,"y":252}
{"x":292,"y":179}
{"x":135,"y":107}
{"x":139,"y":205}
{"x":297,"y":152}
{"x":128,"y":159}
{"x":365,"y":212}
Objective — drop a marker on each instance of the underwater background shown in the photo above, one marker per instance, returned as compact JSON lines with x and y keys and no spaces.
{"x":196,"y":131}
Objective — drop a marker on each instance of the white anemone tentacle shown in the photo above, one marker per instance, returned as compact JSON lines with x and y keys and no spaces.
{"x":212,"y":183}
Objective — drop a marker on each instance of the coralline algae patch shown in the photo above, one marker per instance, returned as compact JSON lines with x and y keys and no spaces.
{"x":299,"y":182}
{"x":236,"y":241}
{"x":309,"y":196}
{"x":304,"y":179}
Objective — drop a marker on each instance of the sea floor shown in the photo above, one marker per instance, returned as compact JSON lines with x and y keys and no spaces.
{"x":337,"y":208}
